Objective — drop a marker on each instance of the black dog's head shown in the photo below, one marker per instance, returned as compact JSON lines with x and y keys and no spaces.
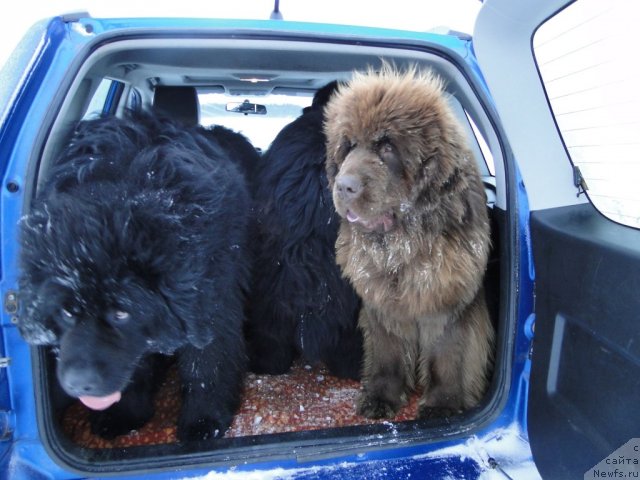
{"x":94,"y":285}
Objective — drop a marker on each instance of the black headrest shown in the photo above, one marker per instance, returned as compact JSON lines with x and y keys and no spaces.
{"x":178,"y":103}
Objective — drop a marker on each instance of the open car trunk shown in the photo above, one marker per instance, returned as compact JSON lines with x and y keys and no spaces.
{"x":306,"y":413}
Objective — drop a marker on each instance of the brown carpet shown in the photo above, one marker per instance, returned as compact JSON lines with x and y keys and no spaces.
{"x":307,"y":398}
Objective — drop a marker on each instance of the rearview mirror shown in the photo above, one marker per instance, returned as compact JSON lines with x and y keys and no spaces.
{"x":247,"y":108}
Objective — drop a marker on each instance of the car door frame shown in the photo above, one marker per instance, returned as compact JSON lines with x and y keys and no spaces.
{"x":585,"y":355}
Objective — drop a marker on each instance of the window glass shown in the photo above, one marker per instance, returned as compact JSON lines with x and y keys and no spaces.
{"x":259,"y":129}
{"x":484,"y":148}
{"x":587,"y":57}
{"x":98,"y":100}
{"x":134,"y":100}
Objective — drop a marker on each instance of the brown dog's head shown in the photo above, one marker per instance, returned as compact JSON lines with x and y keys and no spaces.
{"x":392,"y":145}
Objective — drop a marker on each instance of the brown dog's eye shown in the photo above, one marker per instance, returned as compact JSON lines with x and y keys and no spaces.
{"x":344,"y":148}
{"x":390,"y":157}
{"x":385,"y":150}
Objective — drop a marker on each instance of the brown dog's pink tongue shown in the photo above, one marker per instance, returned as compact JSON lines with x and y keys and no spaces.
{"x":101,"y":403}
{"x":352,"y":217}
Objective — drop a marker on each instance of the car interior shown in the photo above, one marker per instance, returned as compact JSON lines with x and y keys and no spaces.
{"x":176,"y":75}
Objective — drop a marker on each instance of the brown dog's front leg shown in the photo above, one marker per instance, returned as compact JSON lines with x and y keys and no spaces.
{"x":389,"y":363}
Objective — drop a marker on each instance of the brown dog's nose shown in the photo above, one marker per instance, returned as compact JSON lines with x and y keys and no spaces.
{"x":348,"y":187}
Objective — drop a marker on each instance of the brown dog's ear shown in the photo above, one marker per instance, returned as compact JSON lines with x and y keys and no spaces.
{"x":332,"y":171}
{"x":336,"y":153}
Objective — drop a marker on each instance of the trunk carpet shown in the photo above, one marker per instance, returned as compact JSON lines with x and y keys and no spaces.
{"x":306,"y":398}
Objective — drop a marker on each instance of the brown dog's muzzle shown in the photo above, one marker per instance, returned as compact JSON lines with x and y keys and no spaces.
{"x":348,"y":187}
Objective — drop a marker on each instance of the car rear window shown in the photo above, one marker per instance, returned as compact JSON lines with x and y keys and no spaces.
{"x":280,"y":110}
{"x":585,"y":55}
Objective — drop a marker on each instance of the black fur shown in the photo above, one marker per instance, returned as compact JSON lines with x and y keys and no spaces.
{"x":141,"y":216}
{"x":300,"y":302}
{"x":245,"y":154}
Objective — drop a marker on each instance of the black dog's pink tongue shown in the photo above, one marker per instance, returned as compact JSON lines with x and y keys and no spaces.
{"x":101,"y":403}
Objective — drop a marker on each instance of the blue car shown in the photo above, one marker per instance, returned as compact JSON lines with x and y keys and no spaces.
{"x":544,"y":104}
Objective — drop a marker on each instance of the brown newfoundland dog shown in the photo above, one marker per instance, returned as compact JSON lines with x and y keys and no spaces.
{"x":413,"y":240}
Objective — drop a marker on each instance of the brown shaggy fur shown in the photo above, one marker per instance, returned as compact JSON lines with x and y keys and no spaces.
{"x":413,"y":240}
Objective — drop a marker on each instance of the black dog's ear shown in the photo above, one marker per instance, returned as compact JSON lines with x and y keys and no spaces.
{"x":37,"y":307}
{"x":38,"y":295}
{"x":152,"y":252}
{"x":180,"y":302}
{"x":198,"y":334}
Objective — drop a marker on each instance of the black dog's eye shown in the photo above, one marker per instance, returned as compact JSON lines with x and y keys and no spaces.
{"x":67,"y":316}
{"x":118,"y":317}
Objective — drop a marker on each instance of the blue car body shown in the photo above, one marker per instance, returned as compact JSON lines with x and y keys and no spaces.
{"x":495,"y":440}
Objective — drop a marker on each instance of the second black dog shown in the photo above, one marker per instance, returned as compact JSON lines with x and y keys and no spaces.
{"x":300,"y":304}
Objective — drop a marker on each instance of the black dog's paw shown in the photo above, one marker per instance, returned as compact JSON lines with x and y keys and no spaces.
{"x":344,"y":368}
{"x":426,"y":412}
{"x":112,"y":422}
{"x":265,"y":367}
{"x":344,"y":360}
{"x":269,"y":357}
{"x":374,"y":406}
{"x":195,"y":429}
{"x":211,"y":388}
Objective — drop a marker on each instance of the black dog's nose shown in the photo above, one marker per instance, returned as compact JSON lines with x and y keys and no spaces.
{"x":78,"y":381}
{"x":348,"y":186}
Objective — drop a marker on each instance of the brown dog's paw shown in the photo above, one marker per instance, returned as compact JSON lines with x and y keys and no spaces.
{"x":426,"y":412}
{"x":372,"y":406}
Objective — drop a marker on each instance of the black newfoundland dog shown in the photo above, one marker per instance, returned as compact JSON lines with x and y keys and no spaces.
{"x":300,"y":302}
{"x":136,"y":246}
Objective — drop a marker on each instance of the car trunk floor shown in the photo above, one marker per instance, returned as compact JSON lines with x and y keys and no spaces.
{"x":306,"y":398}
